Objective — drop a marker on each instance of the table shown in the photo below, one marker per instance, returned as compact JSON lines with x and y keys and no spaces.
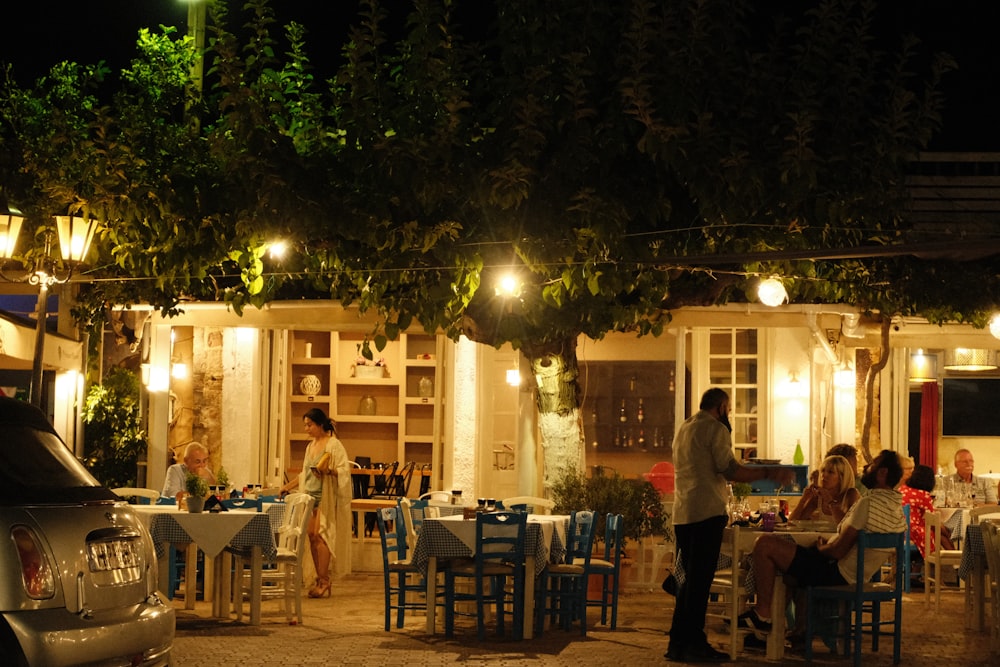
{"x":748,"y":536}
{"x":455,"y":537}
{"x":972,"y":568}
{"x":954,"y":519}
{"x":218,"y":535}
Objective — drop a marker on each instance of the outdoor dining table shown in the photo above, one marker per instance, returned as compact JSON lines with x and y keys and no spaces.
{"x":455,"y":537}
{"x":218,"y":535}
{"x":748,"y":537}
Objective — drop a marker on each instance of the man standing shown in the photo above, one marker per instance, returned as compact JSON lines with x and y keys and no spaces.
{"x":833,"y":562}
{"x":984,"y":489}
{"x":703,"y":462}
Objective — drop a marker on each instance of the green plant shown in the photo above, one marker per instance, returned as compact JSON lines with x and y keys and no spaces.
{"x":741,"y":490}
{"x":196,"y":486}
{"x":222,"y":479}
{"x":113,"y":438}
{"x":638,"y":501}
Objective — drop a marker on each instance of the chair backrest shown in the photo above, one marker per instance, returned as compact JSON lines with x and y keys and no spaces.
{"x":393,"y":540}
{"x":383,"y":482}
{"x":243,"y":503}
{"x":165,"y":501}
{"x":580,"y":537}
{"x":500,"y":536}
{"x":532,"y":504}
{"x":976,"y":514}
{"x":425,"y":479}
{"x":401,"y":480}
{"x":932,"y":533}
{"x":142,"y":496}
{"x":893,"y":544}
{"x":292,"y":533}
{"x":363,"y":461}
{"x":614,"y":535}
{"x":661,"y":476}
{"x":991,"y":542}
{"x":436,"y":495}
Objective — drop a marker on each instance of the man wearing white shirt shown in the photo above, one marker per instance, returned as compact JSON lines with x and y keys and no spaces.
{"x":985,"y":489}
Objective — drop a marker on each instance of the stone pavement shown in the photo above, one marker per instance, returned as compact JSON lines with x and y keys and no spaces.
{"x":346,"y":629}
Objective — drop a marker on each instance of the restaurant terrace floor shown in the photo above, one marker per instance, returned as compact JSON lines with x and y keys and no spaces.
{"x":347,"y":630}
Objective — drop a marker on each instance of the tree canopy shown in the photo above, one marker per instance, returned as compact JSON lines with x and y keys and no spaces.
{"x":591,"y":148}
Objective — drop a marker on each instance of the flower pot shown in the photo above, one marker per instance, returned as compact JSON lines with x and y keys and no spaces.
{"x":195,"y":504}
{"x":369,"y":372}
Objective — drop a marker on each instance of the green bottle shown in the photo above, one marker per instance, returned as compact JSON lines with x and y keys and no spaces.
{"x":798,"y":459}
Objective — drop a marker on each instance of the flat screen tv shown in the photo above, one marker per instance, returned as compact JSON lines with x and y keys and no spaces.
{"x":970,"y":406}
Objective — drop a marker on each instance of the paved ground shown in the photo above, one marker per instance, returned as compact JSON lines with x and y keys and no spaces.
{"x":347,"y":630}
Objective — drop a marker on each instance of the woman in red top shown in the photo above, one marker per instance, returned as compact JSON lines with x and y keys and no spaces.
{"x":917,"y":494}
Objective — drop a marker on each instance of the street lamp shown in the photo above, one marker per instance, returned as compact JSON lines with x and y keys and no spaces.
{"x":75,"y":236}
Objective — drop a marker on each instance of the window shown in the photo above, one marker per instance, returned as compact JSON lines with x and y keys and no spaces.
{"x":732,"y":366}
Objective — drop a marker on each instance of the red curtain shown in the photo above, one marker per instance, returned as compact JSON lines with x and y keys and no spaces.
{"x":929,"y":425}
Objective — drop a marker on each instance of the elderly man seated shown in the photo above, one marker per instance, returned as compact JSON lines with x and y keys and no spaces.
{"x":830,"y":563}
{"x":984,"y":489}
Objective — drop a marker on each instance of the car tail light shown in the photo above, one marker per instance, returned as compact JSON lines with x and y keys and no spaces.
{"x":36,"y":573}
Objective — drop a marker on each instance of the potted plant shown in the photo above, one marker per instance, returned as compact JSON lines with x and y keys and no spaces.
{"x":366,"y":365}
{"x":197,"y":488}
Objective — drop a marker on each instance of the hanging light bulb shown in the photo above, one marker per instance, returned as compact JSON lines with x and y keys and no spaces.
{"x":771,"y":292}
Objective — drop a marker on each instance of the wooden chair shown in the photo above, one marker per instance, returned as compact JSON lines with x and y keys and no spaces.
{"x":609,"y":569}
{"x":399,"y":576}
{"x":284,"y":582}
{"x":729,"y":589}
{"x":977,"y":514}
{"x":531,"y":504}
{"x":142,"y":496}
{"x":400,"y":481}
{"x":864,"y":592}
{"x":444,"y":496}
{"x":561,"y":592}
{"x":936,"y":558}
{"x":991,"y":542}
{"x":499,"y":556}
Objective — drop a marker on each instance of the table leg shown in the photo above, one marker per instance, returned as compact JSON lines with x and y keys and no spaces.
{"x":218,"y":609}
{"x":529,"y":597}
{"x":224,"y":589}
{"x":776,"y":638}
{"x":163,"y":572}
{"x":978,"y":582}
{"x":190,"y":575}
{"x":431,"y":594}
{"x":256,"y":574}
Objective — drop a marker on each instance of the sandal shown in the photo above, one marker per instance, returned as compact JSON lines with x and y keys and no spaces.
{"x":321,"y":589}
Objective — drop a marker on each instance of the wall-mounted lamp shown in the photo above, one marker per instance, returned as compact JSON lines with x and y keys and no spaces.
{"x":995,"y":325}
{"x":514,"y":377}
{"x":844,"y":376}
{"x":923,"y":367}
{"x":970,"y":359}
{"x":771,"y":292}
{"x":75,"y":235}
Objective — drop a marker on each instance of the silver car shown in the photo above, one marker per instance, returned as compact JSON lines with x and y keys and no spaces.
{"x":77,"y":568}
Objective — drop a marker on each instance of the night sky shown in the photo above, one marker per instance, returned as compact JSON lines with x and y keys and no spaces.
{"x":48,"y":31}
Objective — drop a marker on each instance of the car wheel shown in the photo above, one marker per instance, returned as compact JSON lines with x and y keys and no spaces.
{"x":10,"y":648}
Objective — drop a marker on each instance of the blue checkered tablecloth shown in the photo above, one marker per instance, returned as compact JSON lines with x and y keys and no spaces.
{"x":165,"y":530}
{"x":436,"y":540}
{"x":276,"y":514}
{"x":972,"y":547}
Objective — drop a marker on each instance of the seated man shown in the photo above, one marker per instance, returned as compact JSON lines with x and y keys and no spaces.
{"x":965,"y":464}
{"x":196,"y":462}
{"x":833,"y":562}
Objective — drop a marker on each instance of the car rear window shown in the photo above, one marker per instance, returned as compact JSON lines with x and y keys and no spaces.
{"x":36,"y":467}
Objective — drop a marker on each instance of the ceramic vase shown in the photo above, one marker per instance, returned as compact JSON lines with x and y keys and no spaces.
{"x":310,"y":385}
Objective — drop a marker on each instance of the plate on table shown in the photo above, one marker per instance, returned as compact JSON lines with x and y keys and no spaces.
{"x":764,"y":462}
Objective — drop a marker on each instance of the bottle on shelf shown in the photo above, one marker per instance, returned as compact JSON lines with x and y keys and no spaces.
{"x":798,"y":458}
{"x":640,"y":414}
{"x":622,"y":415}
{"x":642,"y":439}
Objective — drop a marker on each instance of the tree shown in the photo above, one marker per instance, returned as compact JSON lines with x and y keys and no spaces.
{"x":623,"y":159}
{"x":113,"y":437}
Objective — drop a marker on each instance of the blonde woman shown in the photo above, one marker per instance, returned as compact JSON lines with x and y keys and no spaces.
{"x":831,"y":496}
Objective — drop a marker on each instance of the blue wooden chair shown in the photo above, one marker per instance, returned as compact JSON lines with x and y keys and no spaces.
{"x":499,"y":556}
{"x":864,"y":592}
{"x":400,"y":577}
{"x":910,"y":551}
{"x":562,"y":588}
{"x":609,"y":568}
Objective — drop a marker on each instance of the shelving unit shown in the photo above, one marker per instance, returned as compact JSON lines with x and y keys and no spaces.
{"x":406,"y":424}
{"x":616,"y":436}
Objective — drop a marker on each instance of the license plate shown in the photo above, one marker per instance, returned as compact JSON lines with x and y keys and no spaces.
{"x":113,"y":554}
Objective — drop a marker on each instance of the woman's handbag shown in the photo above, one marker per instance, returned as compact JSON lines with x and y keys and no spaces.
{"x":323,"y":465}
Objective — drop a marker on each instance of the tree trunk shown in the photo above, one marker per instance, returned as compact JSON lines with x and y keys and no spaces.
{"x":554,"y":374}
{"x":870,"y":377}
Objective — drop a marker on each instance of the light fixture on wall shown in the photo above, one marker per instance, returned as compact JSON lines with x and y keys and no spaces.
{"x":844,"y":376}
{"x":771,"y":292}
{"x":923,"y":367}
{"x":970,"y":359}
{"x":514,"y":377}
{"x":995,"y":325}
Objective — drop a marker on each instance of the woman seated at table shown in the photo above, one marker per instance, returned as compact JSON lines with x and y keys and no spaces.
{"x":917,"y":494}
{"x":829,"y":498}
